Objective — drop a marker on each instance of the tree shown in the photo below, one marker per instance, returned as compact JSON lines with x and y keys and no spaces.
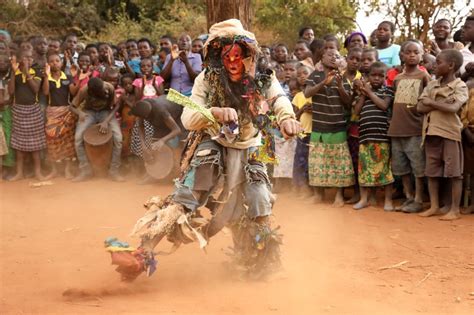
{"x":414,"y":18}
{"x":220,"y":10}
{"x":285,"y":17}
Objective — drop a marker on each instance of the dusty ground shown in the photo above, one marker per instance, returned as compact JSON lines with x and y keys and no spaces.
{"x":51,"y":240}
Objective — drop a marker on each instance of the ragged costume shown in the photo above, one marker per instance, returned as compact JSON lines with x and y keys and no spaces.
{"x":223,"y":165}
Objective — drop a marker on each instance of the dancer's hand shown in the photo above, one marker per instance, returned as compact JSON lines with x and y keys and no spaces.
{"x":224,"y":115}
{"x":290,"y":127}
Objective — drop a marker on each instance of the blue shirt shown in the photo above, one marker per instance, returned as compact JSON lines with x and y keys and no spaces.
{"x":390,"y":55}
{"x":180,"y":80}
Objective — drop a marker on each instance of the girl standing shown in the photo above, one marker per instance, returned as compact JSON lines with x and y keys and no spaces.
{"x":60,"y":121}
{"x":28,"y":134}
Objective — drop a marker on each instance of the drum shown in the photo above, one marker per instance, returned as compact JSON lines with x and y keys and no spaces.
{"x":98,"y":148}
{"x":162,"y":164}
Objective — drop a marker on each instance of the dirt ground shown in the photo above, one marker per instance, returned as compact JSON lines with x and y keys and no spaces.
{"x":51,"y":240}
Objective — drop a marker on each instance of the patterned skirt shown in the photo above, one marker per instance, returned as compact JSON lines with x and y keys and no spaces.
{"x":60,"y":129}
{"x":135,"y":144}
{"x":374,"y":164}
{"x":28,"y":133}
{"x":330,"y":165}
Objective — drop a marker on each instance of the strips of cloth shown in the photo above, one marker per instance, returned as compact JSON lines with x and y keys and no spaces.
{"x":60,"y":130}
{"x":285,"y":152}
{"x":28,"y":128}
{"x":330,"y":163}
{"x":374,"y":164}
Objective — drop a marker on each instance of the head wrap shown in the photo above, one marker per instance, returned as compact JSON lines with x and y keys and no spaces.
{"x":349,"y":38}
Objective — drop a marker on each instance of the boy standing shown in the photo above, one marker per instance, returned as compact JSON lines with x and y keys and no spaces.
{"x":406,"y":125}
{"x":440,"y":102}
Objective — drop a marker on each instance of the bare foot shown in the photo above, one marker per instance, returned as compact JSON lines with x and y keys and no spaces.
{"x":388,"y":206}
{"x":468,"y":210}
{"x":444,"y":209}
{"x":338,"y":202}
{"x":17,"y":177}
{"x":318,"y":198}
{"x":353,"y":199}
{"x":360,"y":205}
{"x":430,"y":212}
{"x":451,"y":215}
{"x":373,"y":199}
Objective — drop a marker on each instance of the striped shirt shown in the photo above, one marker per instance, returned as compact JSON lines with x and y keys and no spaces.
{"x":373,"y":122}
{"x":329,"y":114}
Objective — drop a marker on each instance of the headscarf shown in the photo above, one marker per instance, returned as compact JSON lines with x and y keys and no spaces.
{"x":349,"y":38}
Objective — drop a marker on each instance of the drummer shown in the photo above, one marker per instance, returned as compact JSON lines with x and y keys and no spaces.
{"x":93,"y":105}
{"x":164,"y":116}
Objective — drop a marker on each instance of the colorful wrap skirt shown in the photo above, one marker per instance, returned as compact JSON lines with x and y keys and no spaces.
{"x":28,"y":132}
{"x":329,"y":162}
{"x":6,"y":125}
{"x":60,"y":130}
{"x":374,"y":164}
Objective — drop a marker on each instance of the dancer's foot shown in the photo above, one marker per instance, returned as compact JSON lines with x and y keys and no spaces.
{"x":468,"y":210}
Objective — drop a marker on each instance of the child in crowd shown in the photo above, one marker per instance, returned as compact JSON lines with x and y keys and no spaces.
{"x":4,"y":97}
{"x":60,"y":121}
{"x":81,"y":73}
{"x":317,"y":49}
{"x":5,"y":109}
{"x":368,"y":57}
{"x":468,"y":143}
{"x":303,"y":110}
{"x":374,"y":149}
{"x":388,"y":51}
{"x":54,"y":46}
{"x":351,"y":75}
{"x":149,"y":86}
{"x":28,"y":123}
{"x":329,"y":160}
{"x":303,"y":54}
{"x":290,"y":73}
{"x":285,"y":148}
{"x":126,"y":103}
{"x":406,"y":128}
{"x":93,"y":53}
{"x":280,"y":56}
{"x":429,"y":63}
{"x":440,"y":102}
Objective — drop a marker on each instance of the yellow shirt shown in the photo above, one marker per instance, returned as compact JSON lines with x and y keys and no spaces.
{"x":306,"y":118}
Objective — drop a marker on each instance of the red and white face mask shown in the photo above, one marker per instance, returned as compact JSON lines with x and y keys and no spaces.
{"x":232,"y":57}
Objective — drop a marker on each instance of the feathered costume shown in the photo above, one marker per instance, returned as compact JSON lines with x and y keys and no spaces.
{"x":222,"y":167}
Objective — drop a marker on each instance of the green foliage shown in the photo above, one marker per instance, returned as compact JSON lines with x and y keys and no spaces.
{"x":415,"y":18}
{"x":105,"y":20}
{"x":285,"y":17}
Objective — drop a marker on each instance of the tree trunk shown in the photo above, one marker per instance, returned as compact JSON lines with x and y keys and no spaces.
{"x":220,"y":10}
